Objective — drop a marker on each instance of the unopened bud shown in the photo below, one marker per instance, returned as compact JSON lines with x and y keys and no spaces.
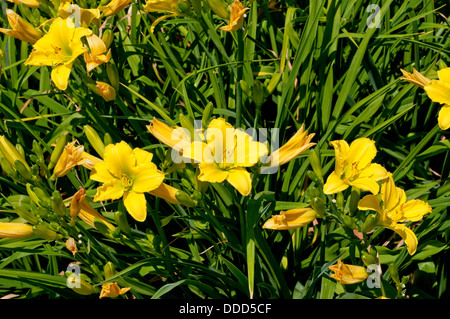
{"x":23,"y":170}
{"x":314,"y":161}
{"x":318,"y":205}
{"x":185,"y":199}
{"x":44,"y":231}
{"x":26,"y":214}
{"x":370,"y":223}
{"x":57,"y":151}
{"x":8,"y":168}
{"x":207,"y":113}
{"x":57,"y":204}
{"x":109,"y":269}
{"x":258,"y":93}
{"x":122,"y":222}
{"x":101,"y":227}
{"x":38,"y":151}
{"x":107,"y":37}
{"x":94,"y":139}
{"x":219,"y":7}
{"x":349,"y":222}
{"x":368,"y":259}
{"x":107,"y":139}
{"x":354,"y":199}
{"x":273,"y":82}
{"x":113,"y":75}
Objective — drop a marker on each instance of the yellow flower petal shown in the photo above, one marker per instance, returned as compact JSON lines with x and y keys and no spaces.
{"x":166,"y":192}
{"x":444,"y":117}
{"x":348,"y":274}
{"x":369,"y":202}
{"x":362,"y":151}
{"x":408,"y":235}
{"x":119,"y":159}
{"x":444,"y":75}
{"x":240,"y":179}
{"x":438,"y":91}
{"x":113,"y":190}
{"x":146,"y":177}
{"x":60,"y":75}
{"x":414,"y":210}
{"x":136,"y":205}
{"x":334,"y":184}
{"x":341,"y":149}
{"x":210,"y":172}
{"x":390,"y":194}
{"x":366,"y":184}
{"x":100,"y":173}
{"x":142,"y":156}
{"x":15,"y":230}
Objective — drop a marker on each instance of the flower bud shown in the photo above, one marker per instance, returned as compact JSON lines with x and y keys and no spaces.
{"x":258,"y":93}
{"x":349,"y":222}
{"x":219,"y":7}
{"x":122,"y":222}
{"x":368,"y":259}
{"x":354,"y":199}
{"x":185,"y":199}
{"x":38,"y":151}
{"x":94,"y":139}
{"x":57,"y":151}
{"x":207,"y":113}
{"x":273,"y":82}
{"x":11,"y":153}
{"x":83,"y":287}
{"x":26,"y":214}
{"x":102,"y":227}
{"x":370,"y":223}
{"x":314,"y":161}
{"x":15,"y":230}
{"x":8,"y":168}
{"x":109,"y":269}
{"x":23,"y":170}
{"x":107,"y":139}
{"x":43,"y":231}
{"x":57,"y":204}
{"x":318,"y":206}
{"x":113,"y":75}
{"x":107,"y":37}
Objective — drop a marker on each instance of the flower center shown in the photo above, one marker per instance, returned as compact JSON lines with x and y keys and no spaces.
{"x":126,"y":181}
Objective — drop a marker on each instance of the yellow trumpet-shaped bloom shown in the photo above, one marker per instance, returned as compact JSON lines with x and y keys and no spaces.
{"x":97,"y":52}
{"x":227,"y":154}
{"x":82,"y":17}
{"x":15,"y":230}
{"x":437,"y":90}
{"x":113,"y":7}
{"x":291,"y":219}
{"x":72,"y":156}
{"x":28,"y":3}
{"x":236,"y":21}
{"x":127,"y":173}
{"x":354,"y":167}
{"x":393,"y":210}
{"x":21,"y":29}
{"x":296,"y":145}
{"x":112,"y":290}
{"x":59,"y":48}
{"x":348,"y":274}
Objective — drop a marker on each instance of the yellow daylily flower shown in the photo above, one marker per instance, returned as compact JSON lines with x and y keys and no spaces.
{"x":15,"y":230}
{"x":112,"y":290}
{"x":113,"y":7}
{"x":348,"y":274}
{"x":10,"y":153}
{"x":393,"y":210}
{"x":106,"y":91}
{"x":354,"y":167}
{"x":291,"y":219}
{"x":236,"y":21}
{"x":28,"y":3}
{"x":59,"y":48}
{"x":72,"y":156}
{"x":437,"y":90}
{"x":21,"y":29}
{"x":127,"y":173}
{"x":82,"y":16}
{"x":179,"y":139}
{"x":296,"y":145}
{"x":227,"y":154}
{"x":97,"y":52}
{"x":166,"y":192}
{"x":80,"y":207}
{"x":162,"y":6}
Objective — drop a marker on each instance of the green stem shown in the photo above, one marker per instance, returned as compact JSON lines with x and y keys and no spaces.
{"x":239,"y":74}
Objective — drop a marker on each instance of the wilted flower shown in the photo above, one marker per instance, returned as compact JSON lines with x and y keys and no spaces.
{"x":348,"y":274}
{"x":21,"y":29}
{"x":112,"y":290}
{"x":106,"y":91}
{"x":291,"y":219}
{"x":236,"y":21}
